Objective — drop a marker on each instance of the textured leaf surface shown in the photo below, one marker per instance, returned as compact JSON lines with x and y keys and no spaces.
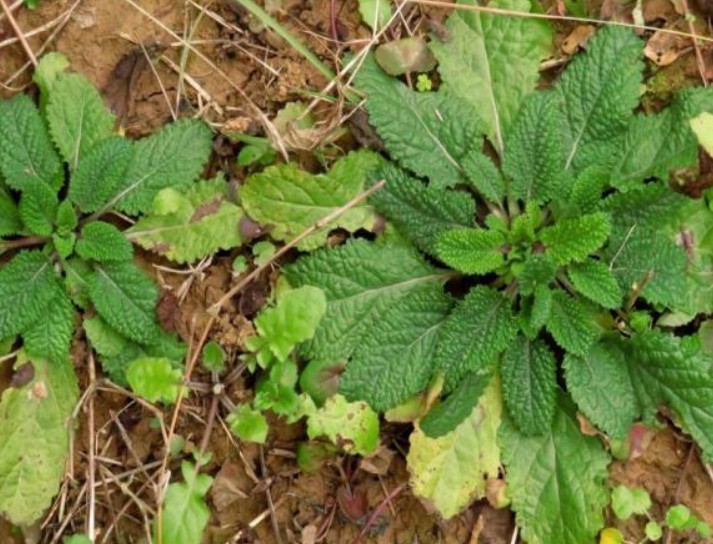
{"x":535,"y":311}
{"x":395,"y":360}
{"x":594,"y":280}
{"x":27,"y":284}
{"x":353,"y":425}
{"x":529,"y":374}
{"x":187,"y":227}
{"x":100,"y":173}
{"x":172,"y":157}
{"x":441,"y":127}
{"x":480,"y":327}
{"x":34,"y":440}
{"x":575,"y":238}
{"x":248,"y":425}
{"x":185,"y":512}
{"x":49,"y":67}
{"x":38,"y":206}
{"x":600,"y":89}
{"x":492,"y":61}
{"x":361,"y":280}
{"x":600,"y":385}
{"x":291,"y":200}
{"x":50,"y":336}
{"x":556,"y":481}
{"x":154,"y":379}
{"x":651,"y":206}
{"x":483,"y":175}
{"x":126,"y":299}
{"x":103,"y":242}
{"x":77,"y":117}
{"x":538,"y":270}
{"x":451,"y":471}
{"x":472,"y":251}
{"x":27,"y":158}
{"x":571,"y":323}
{"x":10,"y":222}
{"x":534,"y":158}
{"x":421,"y":212}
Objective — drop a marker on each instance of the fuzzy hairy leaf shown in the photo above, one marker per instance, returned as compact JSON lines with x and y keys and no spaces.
{"x":534,"y":157}
{"x":10,"y":222}
{"x":492,"y":61}
{"x":599,"y":383}
{"x":38,"y":208}
{"x":154,"y":379}
{"x":172,"y":157}
{"x":394,"y":361}
{"x":479,"y":328}
{"x":656,"y":144}
{"x":587,"y":187}
{"x":472,"y":251}
{"x":571,"y":323}
{"x":421,"y":212}
{"x":34,"y":439}
{"x":126,"y":299}
{"x":573,"y":239}
{"x":77,"y":117}
{"x":594,"y":280}
{"x":361,"y":280}
{"x":529,"y":374}
{"x":187,"y":227}
{"x":46,"y":72}
{"x":27,"y":284}
{"x":100,"y":173}
{"x":557,"y":480}
{"x":50,"y":336}
{"x":538,"y":270}
{"x":291,"y":200}
{"x":27,"y":157}
{"x":451,"y":471}
{"x":353,"y":425}
{"x":443,"y":127}
{"x":456,"y":407}
{"x":483,"y":175}
{"x":248,"y":425}
{"x":185,"y":512}
{"x":645,"y":258}
{"x":600,"y":89}
{"x":535,"y":311}
{"x":103,"y":242}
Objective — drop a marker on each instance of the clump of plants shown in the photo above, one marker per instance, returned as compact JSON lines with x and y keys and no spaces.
{"x":544,"y":262}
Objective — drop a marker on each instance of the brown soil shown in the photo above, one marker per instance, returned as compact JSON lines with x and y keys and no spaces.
{"x":252,"y":69}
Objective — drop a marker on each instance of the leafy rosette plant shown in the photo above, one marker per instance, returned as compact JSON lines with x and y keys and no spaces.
{"x":541,"y":266}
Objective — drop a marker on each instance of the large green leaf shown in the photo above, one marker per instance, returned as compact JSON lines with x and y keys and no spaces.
{"x":473,"y":251}
{"x":573,"y":239}
{"x":571,"y":323}
{"x":594,"y":280}
{"x":492,"y":61}
{"x":451,"y":471}
{"x":34,"y":439}
{"x":290,"y":200}
{"x":50,"y":336}
{"x":189,"y":226}
{"x":557,"y":480}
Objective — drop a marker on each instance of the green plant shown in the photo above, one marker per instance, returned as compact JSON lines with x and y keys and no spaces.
{"x":568,"y":249}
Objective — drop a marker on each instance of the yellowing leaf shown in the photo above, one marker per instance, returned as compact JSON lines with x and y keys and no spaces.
{"x":352,"y":425}
{"x":451,"y":471}
{"x":611,"y":536}
{"x":702,"y":126}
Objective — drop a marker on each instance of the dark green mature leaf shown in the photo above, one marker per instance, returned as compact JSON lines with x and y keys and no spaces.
{"x":492,"y":61}
{"x":172,"y":157}
{"x":10,"y":222}
{"x":442,"y":127}
{"x":535,"y":311}
{"x":77,"y":117}
{"x":362,"y":280}
{"x":126,"y":299}
{"x":27,"y":158}
{"x":50,"y":336}
{"x":420,"y":212}
{"x":472,"y":251}
{"x":103,"y":242}
{"x":449,"y":414}
{"x":646,"y":258}
{"x":600,"y":89}
{"x":38,"y":208}
{"x":529,"y":374}
{"x":575,"y":238}
{"x":483,"y":175}
{"x":27,"y":284}
{"x":395,"y":360}
{"x":100,"y":173}
{"x":600,"y":385}
{"x":556,"y":481}
{"x":571,"y":323}
{"x":538,"y":270}
{"x":479,"y":328}
{"x":534,"y":156}
{"x":594,"y":280}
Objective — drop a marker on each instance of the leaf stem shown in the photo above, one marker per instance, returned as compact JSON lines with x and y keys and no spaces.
{"x":23,"y":242}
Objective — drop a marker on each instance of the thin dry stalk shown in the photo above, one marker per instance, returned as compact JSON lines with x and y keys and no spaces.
{"x":18,"y":32}
{"x":12,"y":7}
{"x":699,"y":56}
{"x":91,"y":465}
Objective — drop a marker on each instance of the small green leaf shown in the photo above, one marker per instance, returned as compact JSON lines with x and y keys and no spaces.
{"x":653,"y":531}
{"x":627,"y":502}
{"x":472,"y":251}
{"x":704,"y":529}
{"x":594,"y":280}
{"x":213,"y":357}
{"x":679,"y":517}
{"x":103,"y":242}
{"x":77,"y":539}
{"x":352,"y":425}
{"x":320,"y":379}
{"x":263,"y":251}
{"x":154,"y":379}
{"x":574,"y":239}
{"x":248,"y":425}
{"x":375,"y":13}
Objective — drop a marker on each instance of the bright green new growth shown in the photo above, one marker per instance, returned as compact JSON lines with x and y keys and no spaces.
{"x":561,"y":257}
{"x":154,"y":379}
{"x":248,"y":425}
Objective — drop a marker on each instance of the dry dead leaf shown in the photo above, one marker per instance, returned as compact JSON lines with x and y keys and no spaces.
{"x":654,"y":10}
{"x":664,"y":48}
{"x":577,"y":38}
{"x":379,"y":462}
{"x":225,"y":491}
